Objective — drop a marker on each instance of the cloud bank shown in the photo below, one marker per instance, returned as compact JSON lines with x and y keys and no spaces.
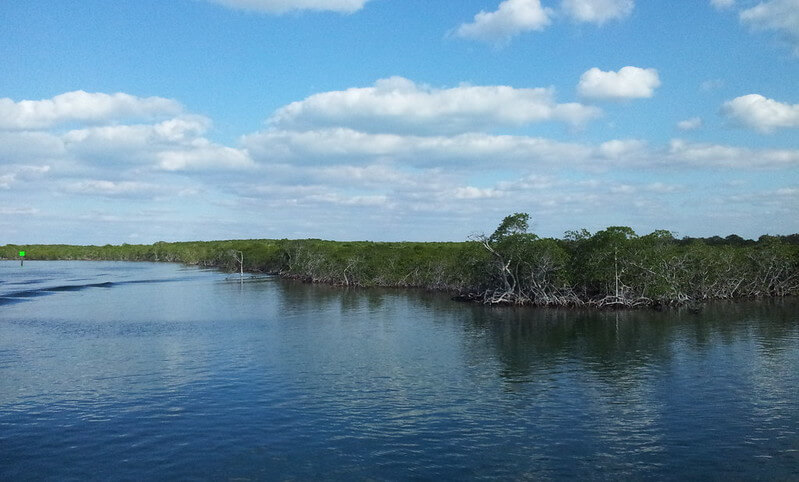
{"x":82,"y":107}
{"x":400,"y":105}
{"x":337,"y":156}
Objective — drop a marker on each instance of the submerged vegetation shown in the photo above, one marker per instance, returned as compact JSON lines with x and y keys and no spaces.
{"x":614,"y":267}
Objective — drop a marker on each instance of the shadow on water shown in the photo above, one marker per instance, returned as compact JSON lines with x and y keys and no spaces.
{"x":528,"y":341}
{"x":21,"y":295}
{"x":320,"y":297}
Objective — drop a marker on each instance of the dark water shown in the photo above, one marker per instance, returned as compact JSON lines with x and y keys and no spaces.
{"x":155,"y":371}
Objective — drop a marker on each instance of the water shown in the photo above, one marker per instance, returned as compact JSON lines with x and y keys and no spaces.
{"x":160,"y":372}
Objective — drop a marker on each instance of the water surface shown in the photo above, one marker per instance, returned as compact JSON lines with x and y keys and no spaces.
{"x":157,"y":371}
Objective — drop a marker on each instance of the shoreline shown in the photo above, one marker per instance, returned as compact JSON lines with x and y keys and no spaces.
{"x":474,"y":298}
{"x":611,"y":269}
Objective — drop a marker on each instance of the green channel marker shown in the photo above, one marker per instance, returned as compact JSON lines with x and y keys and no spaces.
{"x":22,"y":253}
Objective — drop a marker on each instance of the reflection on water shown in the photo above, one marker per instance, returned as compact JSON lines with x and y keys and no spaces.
{"x":169,"y":372}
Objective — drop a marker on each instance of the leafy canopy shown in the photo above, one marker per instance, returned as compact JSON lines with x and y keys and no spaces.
{"x":517,"y":223}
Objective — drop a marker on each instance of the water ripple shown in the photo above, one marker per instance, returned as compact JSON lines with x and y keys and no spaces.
{"x":170,"y":374}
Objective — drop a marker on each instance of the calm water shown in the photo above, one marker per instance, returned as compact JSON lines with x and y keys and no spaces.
{"x":156,"y":371}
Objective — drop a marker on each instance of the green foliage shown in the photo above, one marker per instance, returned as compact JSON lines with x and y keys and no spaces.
{"x":614,"y":266}
{"x":515,"y":224}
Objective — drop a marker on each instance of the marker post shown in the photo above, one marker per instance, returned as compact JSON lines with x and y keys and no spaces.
{"x":21,"y":257}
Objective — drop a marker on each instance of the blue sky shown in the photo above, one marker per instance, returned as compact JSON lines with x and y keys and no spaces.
{"x":139,"y":121}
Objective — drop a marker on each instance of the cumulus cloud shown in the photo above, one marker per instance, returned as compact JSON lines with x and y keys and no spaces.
{"x":627,"y":83}
{"x":400,"y":105}
{"x":722,"y":4}
{"x":597,"y":11}
{"x":514,"y":17}
{"x":176,"y":143}
{"x":203,"y":154}
{"x":622,"y":149}
{"x":82,"y":107}
{"x":173,"y":144}
{"x":691,"y":124}
{"x":511,"y":18}
{"x":760,"y":113}
{"x":780,"y":16}
{"x":138,"y":136}
{"x":283,"y":6}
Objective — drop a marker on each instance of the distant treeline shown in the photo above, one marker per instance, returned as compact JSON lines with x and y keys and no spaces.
{"x":612,"y":267}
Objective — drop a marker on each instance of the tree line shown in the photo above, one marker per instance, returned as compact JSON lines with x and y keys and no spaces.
{"x":614,"y":267}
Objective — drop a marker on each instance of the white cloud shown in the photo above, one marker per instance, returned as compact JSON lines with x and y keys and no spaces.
{"x":662,"y":188}
{"x":6,"y":180}
{"x":691,"y":124}
{"x":787,"y":191}
{"x":24,"y":146}
{"x":717,"y":155}
{"x":627,"y":83}
{"x":471,"y":192}
{"x":283,"y":6}
{"x":82,"y":107}
{"x":4,"y":210}
{"x":451,"y":207}
{"x":722,"y":4}
{"x":621,"y":149}
{"x":174,"y":144}
{"x":652,"y":188}
{"x":711,"y":84}
{"x":203,"y":154}
{"x":314,"y":194}
{"x":760,"y":113}
{"x":780,"y":16}
{"x":114,"y":188}
{"x":371,"y":176}
{"x":511,"y":18}
{"x":400,"y":105}
{"x":781,"y":203}
{"x":484,"y":151}
{"x":597,"y":11}
{"x":344,"y":200}
{"x":137,"y":136}
{"x":337,"y":146}
{"x":351,"y":154}
{"x":13,"y":173}
{"x":623,"y":189}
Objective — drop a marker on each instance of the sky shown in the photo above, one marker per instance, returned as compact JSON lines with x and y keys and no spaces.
{"x":138,"y":121}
